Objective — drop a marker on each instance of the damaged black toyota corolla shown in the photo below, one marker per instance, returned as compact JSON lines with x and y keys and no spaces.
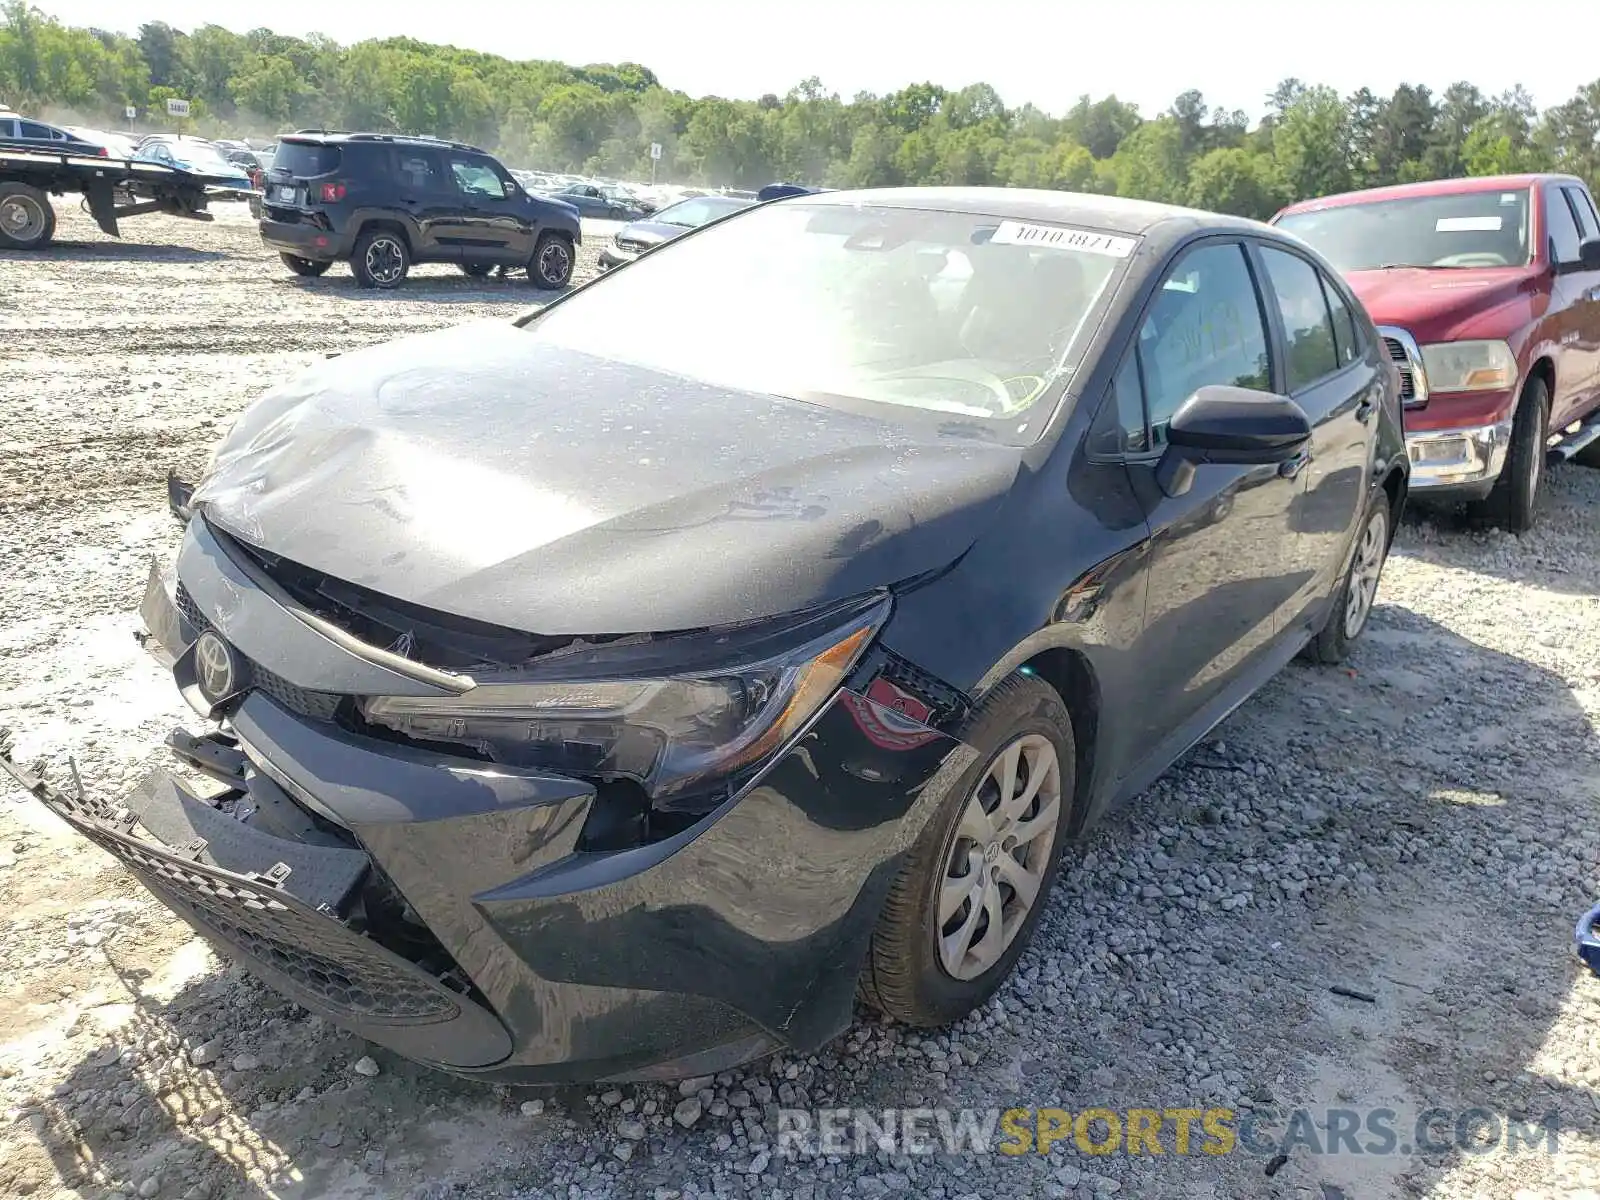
{"x":621,"y":691}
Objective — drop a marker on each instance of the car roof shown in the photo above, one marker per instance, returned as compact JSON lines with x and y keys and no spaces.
{"x":1113,"y":214}
{"x":1431,"y":187}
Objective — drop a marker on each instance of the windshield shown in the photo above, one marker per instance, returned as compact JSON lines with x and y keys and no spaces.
{"x":693,"y":213}
{"x":1462,"y":229}
{"x":940,"y":312}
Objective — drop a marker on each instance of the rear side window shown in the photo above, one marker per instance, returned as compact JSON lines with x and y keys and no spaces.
{"x":306,"y":159}
{"x":1583,"y":210}
{"x":419,"y":169}
{"x":35,"y":132}
{"x":1345,"y":336}
{"x":1307,"y":326}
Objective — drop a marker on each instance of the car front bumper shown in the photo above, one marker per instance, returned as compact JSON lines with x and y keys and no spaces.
{"x":611,"y":256}
{"x":540,"y":962}
{"x":1457,"y":464}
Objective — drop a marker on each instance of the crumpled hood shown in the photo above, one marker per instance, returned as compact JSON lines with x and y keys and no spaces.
{"x":484,"y":472}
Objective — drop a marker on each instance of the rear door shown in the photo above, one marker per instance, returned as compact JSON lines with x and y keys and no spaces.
{"x":1327,"y":373}
{"x":426,"y":193}
{"x":497,"y":223}
{"x":1221,"y":565}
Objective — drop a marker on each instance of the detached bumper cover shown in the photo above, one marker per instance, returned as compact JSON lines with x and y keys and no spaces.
{"x":739,"y":936}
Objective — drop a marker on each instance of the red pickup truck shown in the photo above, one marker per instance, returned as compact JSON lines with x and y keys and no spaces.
{"x":1487,"y":294}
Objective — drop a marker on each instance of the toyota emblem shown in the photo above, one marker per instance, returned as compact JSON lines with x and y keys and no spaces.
{"x":214,"y":668}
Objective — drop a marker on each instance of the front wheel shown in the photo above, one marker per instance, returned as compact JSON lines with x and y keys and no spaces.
{"x":551,"y":265}
{"x":380,"y":259}
{"x":1352,"y":604}
{"x":309,"y":267}
{"x":27,"y":222}
{"x":1514,"y":502}
{"x":964,"y":905}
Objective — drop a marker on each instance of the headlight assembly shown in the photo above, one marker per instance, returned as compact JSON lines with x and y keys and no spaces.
{"x":672,"y":732}
{"x":1485,"y":366}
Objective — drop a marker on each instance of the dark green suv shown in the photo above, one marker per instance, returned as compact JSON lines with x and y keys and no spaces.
{"x":384,"y":201}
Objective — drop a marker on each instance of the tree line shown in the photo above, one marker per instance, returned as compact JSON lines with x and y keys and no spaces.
{"x":602,"y":119}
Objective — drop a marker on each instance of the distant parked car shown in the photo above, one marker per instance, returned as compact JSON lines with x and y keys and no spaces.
{"x":117,"y":145}
{"x":385,"y":201}
{"x":592,"y":201}
{"x":673,"y":221}
{"x":23,"y":133}
{"x":1487,"y":294}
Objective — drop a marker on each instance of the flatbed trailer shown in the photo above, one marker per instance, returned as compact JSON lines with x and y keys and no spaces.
{"x":111,"y":189}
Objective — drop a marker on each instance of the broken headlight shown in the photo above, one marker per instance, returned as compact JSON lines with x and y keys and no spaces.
{"x":672,"y":733}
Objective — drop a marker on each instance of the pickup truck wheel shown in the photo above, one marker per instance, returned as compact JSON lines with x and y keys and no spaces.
{"x":380,"y":259}
{"x":1514,"y":502}
{"x":27,"y":222}
{"x":308,"y":267}
{"x":965,"y":902}
{"x":1352,"y":603}
{"x":551,"y":265}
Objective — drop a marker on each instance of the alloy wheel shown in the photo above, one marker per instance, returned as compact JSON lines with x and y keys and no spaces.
{"x":385,"y":260}
{"x":554,"y":263}
{"x":1365,"y":570}
{"x":999,"y":856}
{"x":22,"y":218}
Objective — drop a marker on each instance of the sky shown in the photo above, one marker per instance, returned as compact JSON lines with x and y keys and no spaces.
{"x":1046,"y":53}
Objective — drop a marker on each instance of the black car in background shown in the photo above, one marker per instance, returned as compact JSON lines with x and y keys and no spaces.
{"x":385,"y":201}
{"x":636,"y":237}
{"x":618,"y":691}
{"x":23,"y":133}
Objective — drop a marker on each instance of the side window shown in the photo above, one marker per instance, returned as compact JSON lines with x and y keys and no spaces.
{"x":1204,"y":327}
{"x":1119,"y":425}
{"x":477,"y":178}
{"x":418,"y":169}
{"x":1578,"y":199}
{"x":1346,"y":334}
{"x":1584,"y":203}
{"x":1307,"y":326}
{"x":35,"y":132}
{"x":1559,"y":227}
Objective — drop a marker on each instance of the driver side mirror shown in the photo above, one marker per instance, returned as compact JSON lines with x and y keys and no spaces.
{"x":1230,"y":425}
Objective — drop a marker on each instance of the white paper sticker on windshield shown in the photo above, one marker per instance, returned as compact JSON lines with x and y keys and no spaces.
{"x":1467,"y":224}
{"x":1020,"y":233}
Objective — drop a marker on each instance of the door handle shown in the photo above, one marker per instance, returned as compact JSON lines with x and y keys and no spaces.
{"x":1365,"y":409}
{"x":1292,"y":467}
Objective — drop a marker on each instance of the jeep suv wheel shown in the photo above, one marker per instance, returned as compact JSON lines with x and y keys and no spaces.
{"x":380,"y":259}
{"x":551,"y":266}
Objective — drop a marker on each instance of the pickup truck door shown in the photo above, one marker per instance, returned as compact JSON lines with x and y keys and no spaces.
{"x":1565,"y":318}
{"x":1584,"y":288}
{"x":1332,"y":377}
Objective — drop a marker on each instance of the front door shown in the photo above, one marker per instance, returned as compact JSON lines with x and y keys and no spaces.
{"x":497,"y":227}
{"x":1328,"y":373}
{"x":1221,"y":564}
{"x":1585,"y":289}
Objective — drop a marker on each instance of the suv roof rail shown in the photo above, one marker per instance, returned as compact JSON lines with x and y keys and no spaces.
{"x":415,"y":137}
{"x":297,"y":132}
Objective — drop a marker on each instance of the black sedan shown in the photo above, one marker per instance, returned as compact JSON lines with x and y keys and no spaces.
{"x":614,"y":692}
{"x":636,"y":237}
{"x":594,"y":202}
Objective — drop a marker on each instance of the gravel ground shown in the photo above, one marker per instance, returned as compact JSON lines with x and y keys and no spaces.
{"x":1419,"y":828}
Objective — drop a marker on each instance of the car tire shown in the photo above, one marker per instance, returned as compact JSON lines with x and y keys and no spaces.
{"x":27,"y":222}
{"x":1357,"y":593}
{"x":919,"y":970}
{"x":309,"y":267}
{"x":551,"y":265}
{"x":1514,"y":502}
{"x":381,"y":259}
{"x":475,"y":270}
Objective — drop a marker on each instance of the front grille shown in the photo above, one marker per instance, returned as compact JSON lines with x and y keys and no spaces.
{"x":319,"y":706}
{"x":632,"y":245}
{"x":1407,"y":358}
{"x":1408,"y":383}
{"x":347,"y":974}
